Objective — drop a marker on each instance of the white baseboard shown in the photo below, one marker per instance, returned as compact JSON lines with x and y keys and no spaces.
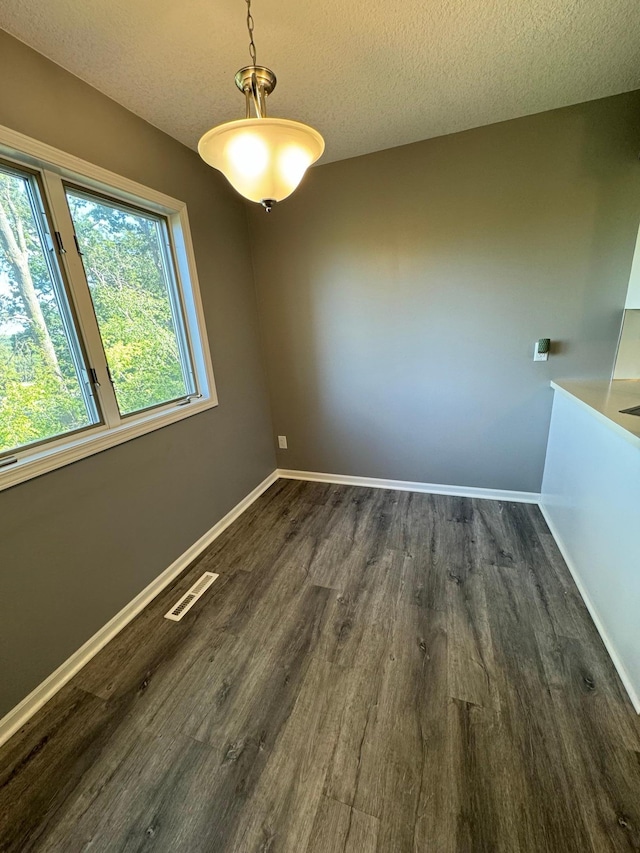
{"x":566,"y":556}
{"x":22,"y":712}
{"x":407,"y":486}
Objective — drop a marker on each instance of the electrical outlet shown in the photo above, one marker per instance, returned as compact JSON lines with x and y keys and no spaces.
{"x":282,"y":442}
{"x":541,"y":349}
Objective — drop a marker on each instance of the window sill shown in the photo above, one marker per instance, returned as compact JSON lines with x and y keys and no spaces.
{"x":35,"y":463}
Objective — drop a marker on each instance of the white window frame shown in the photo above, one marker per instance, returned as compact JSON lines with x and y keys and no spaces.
{"x":56,"y":167}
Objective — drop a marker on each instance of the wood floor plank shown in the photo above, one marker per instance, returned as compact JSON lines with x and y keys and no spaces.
{"x":584,"y":676}
{"x":478,"y":784}
{"x":413,"y":524}
{"x":473,"y":671}
{"x":330,"y":827}
{"x":422,"y":773}
{"x":494,"y":541}
{"x":407,"y":718}
{"x":250,"y":688}
{"x":373,"y":671}
{"x":148,"y":794}
{"x":342,"y":829}
{"x":361,"y":612}
{"x":369,"y":611}
{"x":252,"y":544}
{"x":239,"y":709}
{"x":281,"y":812}
{"x":455,"y":556}
{"x":605,"y":776}
{"x":419,"y":531}
{"x":43,"y":764}
{"x":273,"y":504}
{"x":533,"y":749}
{"x":360,"y":515}
{"x":600,"y":741}
{"x":127,"y":661}
{"x":362,"y":833}
{"x":224,"y":692}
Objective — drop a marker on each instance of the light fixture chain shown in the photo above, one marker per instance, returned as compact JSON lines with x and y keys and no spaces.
{"x":250,"y":25}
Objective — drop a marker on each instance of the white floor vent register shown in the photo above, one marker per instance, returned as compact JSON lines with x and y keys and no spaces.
{"x":190,"y":597}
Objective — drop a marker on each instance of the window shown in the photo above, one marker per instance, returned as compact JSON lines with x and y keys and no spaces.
{"x":101,"y":330}
{"x":44,"y":388}
{"x":127,"y":261}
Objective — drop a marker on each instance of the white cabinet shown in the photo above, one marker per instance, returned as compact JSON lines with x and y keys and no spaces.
{"x":591,"y":500}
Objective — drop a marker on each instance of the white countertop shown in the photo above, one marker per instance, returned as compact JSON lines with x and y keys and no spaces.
{"x":605,"y":399}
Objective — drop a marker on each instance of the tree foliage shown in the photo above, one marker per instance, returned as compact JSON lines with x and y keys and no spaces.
{"x":40,"y":389}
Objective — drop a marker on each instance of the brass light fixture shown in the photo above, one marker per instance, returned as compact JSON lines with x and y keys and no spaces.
{"x":264,"y":159}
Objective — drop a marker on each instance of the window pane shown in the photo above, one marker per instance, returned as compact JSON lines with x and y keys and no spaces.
{"x":43,"y":387}
{"x":130,"y":274}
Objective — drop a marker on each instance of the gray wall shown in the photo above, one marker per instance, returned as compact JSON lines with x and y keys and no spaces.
{"x":400,"y":295}
{"x":79,"y":543}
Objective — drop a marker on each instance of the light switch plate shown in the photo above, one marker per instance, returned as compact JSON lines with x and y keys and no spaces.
{"x":282,"y":442}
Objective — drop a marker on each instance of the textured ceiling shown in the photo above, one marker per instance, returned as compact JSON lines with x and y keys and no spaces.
{"x":368,"y":76}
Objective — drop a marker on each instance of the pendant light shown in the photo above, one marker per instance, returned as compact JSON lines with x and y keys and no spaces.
{"x":264,"y":159}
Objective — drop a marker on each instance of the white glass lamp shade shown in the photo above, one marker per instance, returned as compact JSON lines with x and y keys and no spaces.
{"x":263,"y":158}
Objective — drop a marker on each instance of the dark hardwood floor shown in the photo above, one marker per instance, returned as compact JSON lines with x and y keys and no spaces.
{"x":373,"y":671}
